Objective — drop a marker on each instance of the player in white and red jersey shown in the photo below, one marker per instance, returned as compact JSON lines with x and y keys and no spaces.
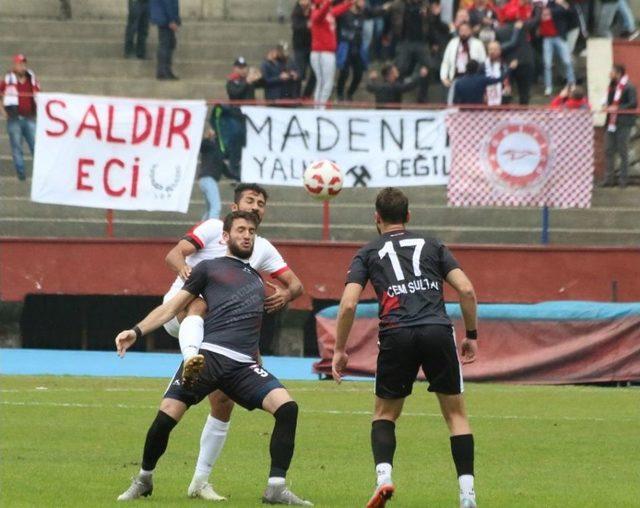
{"x":204,"y":241}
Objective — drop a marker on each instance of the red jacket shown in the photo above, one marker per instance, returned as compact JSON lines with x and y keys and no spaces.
{"x":323,"y":25}
{"x":568,"y":103}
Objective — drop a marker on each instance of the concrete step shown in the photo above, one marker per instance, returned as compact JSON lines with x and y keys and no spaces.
{"x":459,"y":234}
{"x":189,"y":9}
{"x":309,"y":212}
{"x":132,"y":68}
{"x":113,"y":29}
{"x":76,"y":47}
{"x":138,"y":87}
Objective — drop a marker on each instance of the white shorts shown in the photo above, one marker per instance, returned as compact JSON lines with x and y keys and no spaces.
{"x":172,"y":327}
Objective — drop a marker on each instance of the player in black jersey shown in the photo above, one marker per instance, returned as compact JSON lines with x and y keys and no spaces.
{"x":408,"y":272}
{"x":234,"y":293}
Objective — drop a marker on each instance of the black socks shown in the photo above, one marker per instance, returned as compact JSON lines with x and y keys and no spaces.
{"x":283,"y":439}
{"x":383,"y":441}
{"x":462,"y":451}
{"x":157,"y":440}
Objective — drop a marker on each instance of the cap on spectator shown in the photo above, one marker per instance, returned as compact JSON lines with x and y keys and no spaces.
{"x":19,"y":58}
{"x":240,"y":62}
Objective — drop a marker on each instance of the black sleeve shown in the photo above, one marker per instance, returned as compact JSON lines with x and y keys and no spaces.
{"x":358,"y":271}
{"x":447,"y":261}
{"x":197,"y":281}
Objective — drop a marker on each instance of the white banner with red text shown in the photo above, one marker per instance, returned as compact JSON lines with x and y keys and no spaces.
{"x":118,"y":153}
{"x":374,"y":148}
{"x":536,"y":157}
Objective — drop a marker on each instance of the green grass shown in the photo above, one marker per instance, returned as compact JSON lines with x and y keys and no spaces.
{"x":78,"y":442}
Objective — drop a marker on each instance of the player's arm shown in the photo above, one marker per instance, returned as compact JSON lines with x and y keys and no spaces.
{"x":154,"y":320}
{"x":291,"y":289}
{"x":346,"y":315}
{"x":469,"y":306}
{"x":176,"y":258}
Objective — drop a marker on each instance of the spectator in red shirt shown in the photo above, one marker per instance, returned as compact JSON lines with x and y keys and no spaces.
{"x":19,"y":108}
{"x":324,"y":44}
{"x":554,"y":22}
{"x":571,"y":97}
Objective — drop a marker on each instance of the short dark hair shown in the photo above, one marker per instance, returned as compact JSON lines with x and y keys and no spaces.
{"x":243,"y":187}
{"x":577,"y":93}
{"x":233,"y":216}
{"x":473,"y":67}
{"x":392,"y":205}
{"x":620,"y":69}
{"x":386,"y":70}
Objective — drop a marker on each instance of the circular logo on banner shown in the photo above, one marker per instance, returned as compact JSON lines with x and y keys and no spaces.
{"x":517,"y":154}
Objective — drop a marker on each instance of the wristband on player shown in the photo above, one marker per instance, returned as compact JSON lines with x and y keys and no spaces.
{"x":138,"y":332}
{"x":472,"y":334}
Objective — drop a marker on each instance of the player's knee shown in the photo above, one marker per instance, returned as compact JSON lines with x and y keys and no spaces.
{"x":221,"y":407}
{"x":162,"y":425}
{"x":197,"y":307}
{"x":287,"y":412}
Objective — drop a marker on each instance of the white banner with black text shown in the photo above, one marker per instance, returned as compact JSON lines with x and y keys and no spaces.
{"x":374,"y":148}
{"x":118,"y":153}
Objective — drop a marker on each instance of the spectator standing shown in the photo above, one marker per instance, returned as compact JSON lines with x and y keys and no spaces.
{"x":135,"y":35}
{"x":439,"y":36}
{"x":515,"y":36}
{"x":483,"y":20}
{"x":608,"y":12}
{"x":471,"y":88}
{"x":621,"y":95}
{"x":410,"y":27}
{"x":19,"y":108}
{"x":243,"y":81}
{"x":352,"y":52}
{"x":570,"y":97}
{"x":390,"y":89}
{"x":279,"y":76}
{"x":209,"y":173}
{"x":554,"y":22}
{"x":324,"y":44}
{"x":301,"y":43}
{"x":228,"y":121}
{"x":459,"y":52}
{"x":166,"y":15}
{"x":494,"y":67}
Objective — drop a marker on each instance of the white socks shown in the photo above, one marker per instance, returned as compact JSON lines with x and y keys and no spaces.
{"x":214,"y":434}
{"x":275,"y":481}
{"x":190,"y":336}
{"x":383,"y":473}
{"x":145,"y":474}
{"x":466,"y":486}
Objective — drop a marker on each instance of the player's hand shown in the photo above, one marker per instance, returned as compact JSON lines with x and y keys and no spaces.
{"x":173,"y":26}
{"x":184,"y":272}
{"x":124,"y":341}
{"x":338,"y":364}
{"x":468,"y":350}
{"x":278,"y":299}
{"x":446,"y":82}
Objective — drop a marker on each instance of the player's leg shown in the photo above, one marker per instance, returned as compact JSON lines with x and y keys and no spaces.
{"x":284,"y":409}
{"x":462,"y":447}
{"x":168,"y":416}
{"x":383,"y":446}
{"x":444,"y":373}
{"x":253,"y":387}
{"x":212,"y":439}
{"x":396,"y":370}
{"x":177,"y":399}
{"x":190,"y":336}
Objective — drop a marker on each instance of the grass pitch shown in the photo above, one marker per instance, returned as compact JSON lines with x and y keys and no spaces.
{"x":68,"y":441}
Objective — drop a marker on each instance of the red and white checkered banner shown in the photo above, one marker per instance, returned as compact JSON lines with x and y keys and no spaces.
{"x":521,"y":158}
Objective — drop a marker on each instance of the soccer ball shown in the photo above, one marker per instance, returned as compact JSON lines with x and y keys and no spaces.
{"x":323,"y":180}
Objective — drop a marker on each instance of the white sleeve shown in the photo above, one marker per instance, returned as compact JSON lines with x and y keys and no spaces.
{"x":205,"y":233}
{"x":270,"y":261}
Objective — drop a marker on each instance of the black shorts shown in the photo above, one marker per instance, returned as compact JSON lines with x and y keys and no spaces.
{"x":404,"y":350}
{"x":245,"y":383}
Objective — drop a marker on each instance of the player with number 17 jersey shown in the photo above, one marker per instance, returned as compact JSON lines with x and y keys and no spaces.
{"x":407,"y":272}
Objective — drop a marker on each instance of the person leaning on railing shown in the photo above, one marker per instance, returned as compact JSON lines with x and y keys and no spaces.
{"x":390,"y":89}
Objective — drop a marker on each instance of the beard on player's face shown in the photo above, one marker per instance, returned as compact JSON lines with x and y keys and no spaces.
{"x":240,"y":247}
